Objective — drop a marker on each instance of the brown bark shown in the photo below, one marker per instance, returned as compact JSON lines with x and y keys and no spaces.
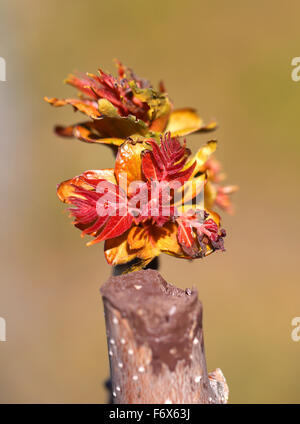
{"x":155,"y":343}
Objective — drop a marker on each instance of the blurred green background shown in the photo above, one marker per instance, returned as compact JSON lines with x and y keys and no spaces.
{"x":230,"y":60}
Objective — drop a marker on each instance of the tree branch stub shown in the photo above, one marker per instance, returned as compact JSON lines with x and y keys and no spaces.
{"x":155,"y":343}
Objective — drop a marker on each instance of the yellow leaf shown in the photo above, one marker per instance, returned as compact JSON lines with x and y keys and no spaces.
{"x":210,"y":194}
{"x":202,"y":156}
{"x":159,"y":103}
{"x":186,"y":121}
{"x":189,"y":191}
{"x":214,"y":216}
{"x":106,"y":108}
{"x":117,"y":250}
{"x":119,"y":127}
{"x":89,"y":134}
{"x":167,"y":239}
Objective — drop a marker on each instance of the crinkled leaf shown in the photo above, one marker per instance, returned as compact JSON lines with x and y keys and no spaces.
{"x":186,"y":239}
{"x":159,"y":105}
{"x":143,"y":236}
{"x":166,"y":162}
{"x":119,"y":127}
{"x":87,"y":107}
{"x":114,"y":227}
{"x":88,"y":133}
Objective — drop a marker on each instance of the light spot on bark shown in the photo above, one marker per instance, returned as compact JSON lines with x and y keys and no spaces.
{"x":172,"y":310}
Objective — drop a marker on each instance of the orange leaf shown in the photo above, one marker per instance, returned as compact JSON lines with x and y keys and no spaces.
{"x":87,"y":132}
{"x":67,"y":189}
{"x":137,"y":238}
{"x":87,"y":107}
{"x":167,"y":239}
{"x":143,"y":240}
{"x":129,"y":161}
{"x":159,"y":124}
{"x":117,"y":250}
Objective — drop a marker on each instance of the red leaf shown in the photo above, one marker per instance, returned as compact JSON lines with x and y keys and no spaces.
{"x":102,"y":211}
{"x":150,"y":167}
{"x":114,"y":227}
{"x":186,"y":239}
{"x":165,"y":162}
{"x":185,"y":234}
{"x":116,"y":90}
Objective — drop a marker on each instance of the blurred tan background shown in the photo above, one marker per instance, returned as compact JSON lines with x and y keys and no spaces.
{"x":230,"y":60}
